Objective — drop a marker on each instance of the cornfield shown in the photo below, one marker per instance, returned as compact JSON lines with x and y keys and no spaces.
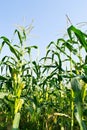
{"x":49,"y":93}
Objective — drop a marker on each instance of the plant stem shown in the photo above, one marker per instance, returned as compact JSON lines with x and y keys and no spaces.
{"x":72,"y":95}
{"x":72,"y":110}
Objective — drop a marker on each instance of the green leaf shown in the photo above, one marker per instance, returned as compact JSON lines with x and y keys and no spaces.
{"x":5,"y":40}
{"x":12,"y":49}
{"x":77,"y":89}
{"x":19,"y":36}
{"x":79,"y":34}
{"x":70,"y":47}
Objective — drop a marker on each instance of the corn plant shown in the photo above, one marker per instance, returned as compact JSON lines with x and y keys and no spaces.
{"x":13,"y":82}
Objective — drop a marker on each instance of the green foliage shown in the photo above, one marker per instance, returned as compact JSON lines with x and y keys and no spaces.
{"x":47,"y":94}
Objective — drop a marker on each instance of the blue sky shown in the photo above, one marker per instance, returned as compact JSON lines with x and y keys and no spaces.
{"x":49,"y":18}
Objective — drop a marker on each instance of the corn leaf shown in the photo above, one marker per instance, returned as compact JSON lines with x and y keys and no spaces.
{"x":77,"y":89}
{"x":79,"y":34}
